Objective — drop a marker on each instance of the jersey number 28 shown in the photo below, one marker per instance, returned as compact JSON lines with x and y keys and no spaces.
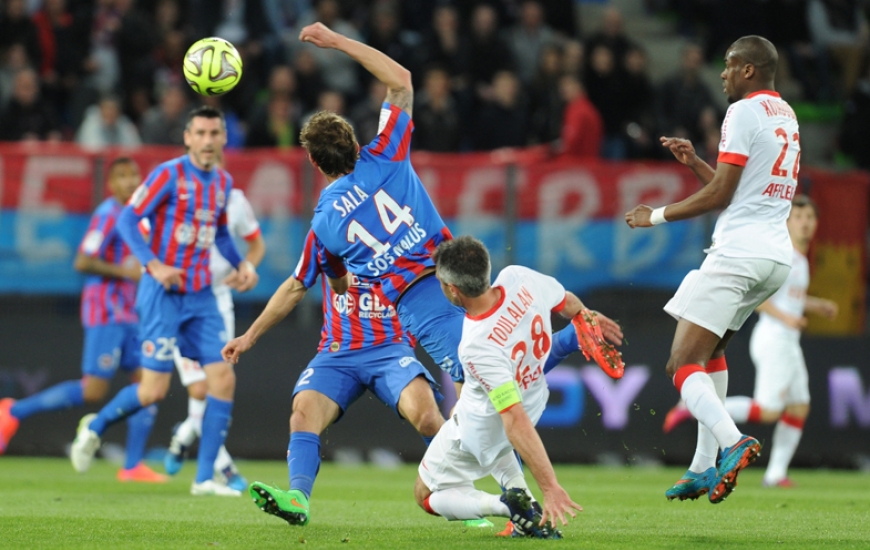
{"x":392,"y":217}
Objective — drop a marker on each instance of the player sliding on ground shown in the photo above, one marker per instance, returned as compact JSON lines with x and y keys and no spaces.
{"x":377,"y":217}
{"x":506,"y":338}
{"x":111,"y":329}
{"x":782,"y":391}
{"x":749,"y":259}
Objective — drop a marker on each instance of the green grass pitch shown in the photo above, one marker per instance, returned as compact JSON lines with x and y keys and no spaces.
{"x":44,"y":504}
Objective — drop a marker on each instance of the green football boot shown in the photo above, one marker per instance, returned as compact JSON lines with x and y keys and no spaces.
{"x":291,"y":506}
{"x":481,"y":523}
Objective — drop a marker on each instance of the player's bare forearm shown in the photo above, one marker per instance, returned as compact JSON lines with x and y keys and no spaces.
{"x":684,"y":151}
{"x":821,"y":306}
{"x":525,"y":439}
{"x":256,"y":250}
{"x":715,"y":195}
{"x":573,"y":306}
{"x":285,"y":299}
{"x":703,"y":171}
{"x":95,"y":266}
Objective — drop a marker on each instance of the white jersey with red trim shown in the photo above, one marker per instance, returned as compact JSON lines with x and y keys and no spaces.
{"x":507,"y":345}
{"x":760,"y":133}
{"x":791,"y":298}
{"x":242,"y":225}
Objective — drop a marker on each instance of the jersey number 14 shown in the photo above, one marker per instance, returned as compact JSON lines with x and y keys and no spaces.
{"x":392,"y":217}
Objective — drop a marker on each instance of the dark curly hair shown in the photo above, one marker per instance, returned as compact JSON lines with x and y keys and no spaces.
{"x":330,"y":141}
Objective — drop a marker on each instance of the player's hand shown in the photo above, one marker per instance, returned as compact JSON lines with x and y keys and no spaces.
{"x":682,"y":149}
{"x":236,"y":347}
{"x":828,"y":309}
{"x":610,"y":329}
{"x":166,"y":275}
{"x":558,"y":505}
{"x":320,"y":35}
{"x":639,"y":217}
{"x":797,"y":323}
{"x":243,"y":279}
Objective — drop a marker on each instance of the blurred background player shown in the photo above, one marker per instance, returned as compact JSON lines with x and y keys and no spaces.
{"x":363,"y":346}
{"x":750,"y":257}
{"x":242,"y":224}
{"x":782,"y":392}
{"x":377,"y":216}
{"x":504,"y":396}
{"x":184,"y":200}
{"x":111,"y":329}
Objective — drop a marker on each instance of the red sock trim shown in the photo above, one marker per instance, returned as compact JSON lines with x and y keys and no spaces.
{"x":793,"y":421}
{"x":428,"y":508}
{"x":754,"y":413}
{"x":717,"y":365}
{"x":684,"y":372}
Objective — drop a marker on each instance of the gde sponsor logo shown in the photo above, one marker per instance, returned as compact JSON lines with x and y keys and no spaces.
{"x":344,"y":304}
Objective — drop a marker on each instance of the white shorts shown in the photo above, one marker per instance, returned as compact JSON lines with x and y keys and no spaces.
{"x":445,"y":465}
{"x":725,"y":291}
{"x":781,"y":377}
{"x":190,"y":371}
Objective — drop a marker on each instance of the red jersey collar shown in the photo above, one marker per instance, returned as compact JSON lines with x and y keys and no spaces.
{"x":763,"y":92}
{"x":493,"y":309}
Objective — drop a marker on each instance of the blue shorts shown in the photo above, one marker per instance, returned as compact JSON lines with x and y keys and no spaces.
{"x":345,"y":375}
{"x":108,"y":347}
{"x":189,"y":320}
{"x":436,"y":323}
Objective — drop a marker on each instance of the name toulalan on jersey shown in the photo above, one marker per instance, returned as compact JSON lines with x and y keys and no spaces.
{"x":508,"y":321}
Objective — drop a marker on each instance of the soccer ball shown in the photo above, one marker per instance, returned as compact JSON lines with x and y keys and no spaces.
{"x":212,"y":66}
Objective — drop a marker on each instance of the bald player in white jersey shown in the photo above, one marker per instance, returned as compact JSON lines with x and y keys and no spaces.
{"x":506,"y":339}
{"x":242,"y":225}
{"x":750,"y":257}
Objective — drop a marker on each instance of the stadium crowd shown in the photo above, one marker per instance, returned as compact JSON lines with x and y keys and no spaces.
{"x":503,"y":73}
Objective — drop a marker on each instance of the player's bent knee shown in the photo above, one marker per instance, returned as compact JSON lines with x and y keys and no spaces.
{"x":421,"y":493}
{"x":429,"y":422}
{"x":94,"y":389}
{"x":798,"y":411}
{"x":198,"y":390}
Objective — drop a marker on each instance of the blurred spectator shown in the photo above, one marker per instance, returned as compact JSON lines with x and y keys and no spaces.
{"x":528,"y":38}
{"x":365,"y":115}
{"x":582,"y":127}
{"x":385,"y":35}
{"x":309,"y":80}
{"x":338,"y":70}
{"x":54,"y":27}
{"x":105,"y":126}
{"x":165,"y":68}
{"x":561,"y":15}
{"x":16,"y":27}
{"x":102,"y":64}
{"x":489,"y":53}
{"x":501,"y":122}
{"x":444,"y":44}
{"x":855,"y":131}
{"x":276,"y":128}
{"x":683,"y":98}
{"x":14,"y":61}
{"x":612,"y":35}
{"x":791,"y":35}
{"x":163,"y":124}
{"x":135,"y":36}
{"x":235,"y":127}
{"x":436,"y":116}
{"x":27,"y":116}
{"x":167,"y":17}
{"x":546,"y":103}
{"x":606,"y":87}
{"x":282,"y":83}
{"x":574,"y":58}
{"x":327,"y":101}
{"x":639,"y":102}
{"x":839,"y":29}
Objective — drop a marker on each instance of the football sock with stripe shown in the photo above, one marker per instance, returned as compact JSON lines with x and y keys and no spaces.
{"x":707,"y":449}
{"x":564,"y":344}
{"x":786,"y":437}
{"x":466,"y":503}
{"x":699,"y":395}
{"x":743,"y":409}
{"x":65,"y":395}
{"x":139,"y":426}
{"x":215,"y":425}
{"x":191,"y":428}
{"x":303,"y":461}
{"x":125,"y":403}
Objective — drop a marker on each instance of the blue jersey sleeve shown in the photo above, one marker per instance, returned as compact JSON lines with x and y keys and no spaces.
{"x":98,"y":235}
{"x":393,"y":142}
{"x":316,"y":260}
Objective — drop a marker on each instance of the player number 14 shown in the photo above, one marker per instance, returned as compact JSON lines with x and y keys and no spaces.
{"x":387,"y":207}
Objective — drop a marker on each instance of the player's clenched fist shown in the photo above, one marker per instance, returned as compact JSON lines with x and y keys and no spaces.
{"x":639,"y":217}
{"x":236,"y":347}
{"x":320,"y":35}
{"x":166,"y":275}
{"x":243,"y":279}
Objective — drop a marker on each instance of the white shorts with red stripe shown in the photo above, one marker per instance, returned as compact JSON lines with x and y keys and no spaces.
{"x":781,"y":377}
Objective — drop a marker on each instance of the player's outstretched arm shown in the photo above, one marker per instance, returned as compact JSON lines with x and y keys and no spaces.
{"x":767,"y":307}
{"x":822,"y":306}
{"x":280,"y":305}
{"x":128,"y":228}
{"x":715,"y":195}
{"x":397,"y":78}
{"x":90,"y":265}
{"x":684,"y":151}
{"x":609,"y":328}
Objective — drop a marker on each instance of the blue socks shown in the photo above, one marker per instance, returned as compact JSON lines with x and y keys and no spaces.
{"x":564,"y":344}
{"x":65,"y":395}
{"x":125,"y":403}
{"x":303,"y":460}
{"x":139,"y":426}
{"x":215,"y":425}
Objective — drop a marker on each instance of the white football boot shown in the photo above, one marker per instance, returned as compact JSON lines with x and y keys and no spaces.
{"x":211,"y":487}
{"x":85,"y":445}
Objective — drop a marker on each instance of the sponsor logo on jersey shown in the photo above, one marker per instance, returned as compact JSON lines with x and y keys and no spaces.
{"x":148,"y":348}
{"x":405,"y":361}
{"x":529,"y":376}
{"x":344,"y":304}
{"x":92,"y":241}
{"x":106,"y":361}
{"x":334,"y":346}
{"x":221,"y":199}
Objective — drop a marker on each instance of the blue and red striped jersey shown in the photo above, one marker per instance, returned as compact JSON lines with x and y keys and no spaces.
{"x":354,"y":320}
{"x":379,"y":218}
{"x":185,"y":207}
{"x":106,"y":300}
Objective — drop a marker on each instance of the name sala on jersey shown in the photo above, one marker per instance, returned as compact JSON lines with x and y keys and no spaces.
{"x":379,"y":264}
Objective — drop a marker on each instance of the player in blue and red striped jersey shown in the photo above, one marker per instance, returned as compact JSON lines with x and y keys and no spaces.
{"x":377,"y":217}
{"x":184,"y":201}
{"x":363,"y":346}
{"x":111,"y":328}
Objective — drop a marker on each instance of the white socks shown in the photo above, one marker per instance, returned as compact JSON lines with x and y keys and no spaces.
{"x":189,"y":430}
{"x":466,"y":503}
{"x":786,"y":437}
{"x":739,"y":408}
{"x":700,"y":397}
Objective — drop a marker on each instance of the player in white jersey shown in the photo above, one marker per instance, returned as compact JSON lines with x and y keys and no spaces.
{"x":506,"y":339}
{"x":749,"y":259}
{"x":782,"y":392}
{"x":242,"y":225}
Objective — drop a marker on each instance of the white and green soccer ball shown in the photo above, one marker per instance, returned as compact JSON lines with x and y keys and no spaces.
{"x":212,"y":66}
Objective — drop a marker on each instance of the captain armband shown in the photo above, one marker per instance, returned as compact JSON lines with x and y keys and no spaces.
{"x":505,"y":396}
